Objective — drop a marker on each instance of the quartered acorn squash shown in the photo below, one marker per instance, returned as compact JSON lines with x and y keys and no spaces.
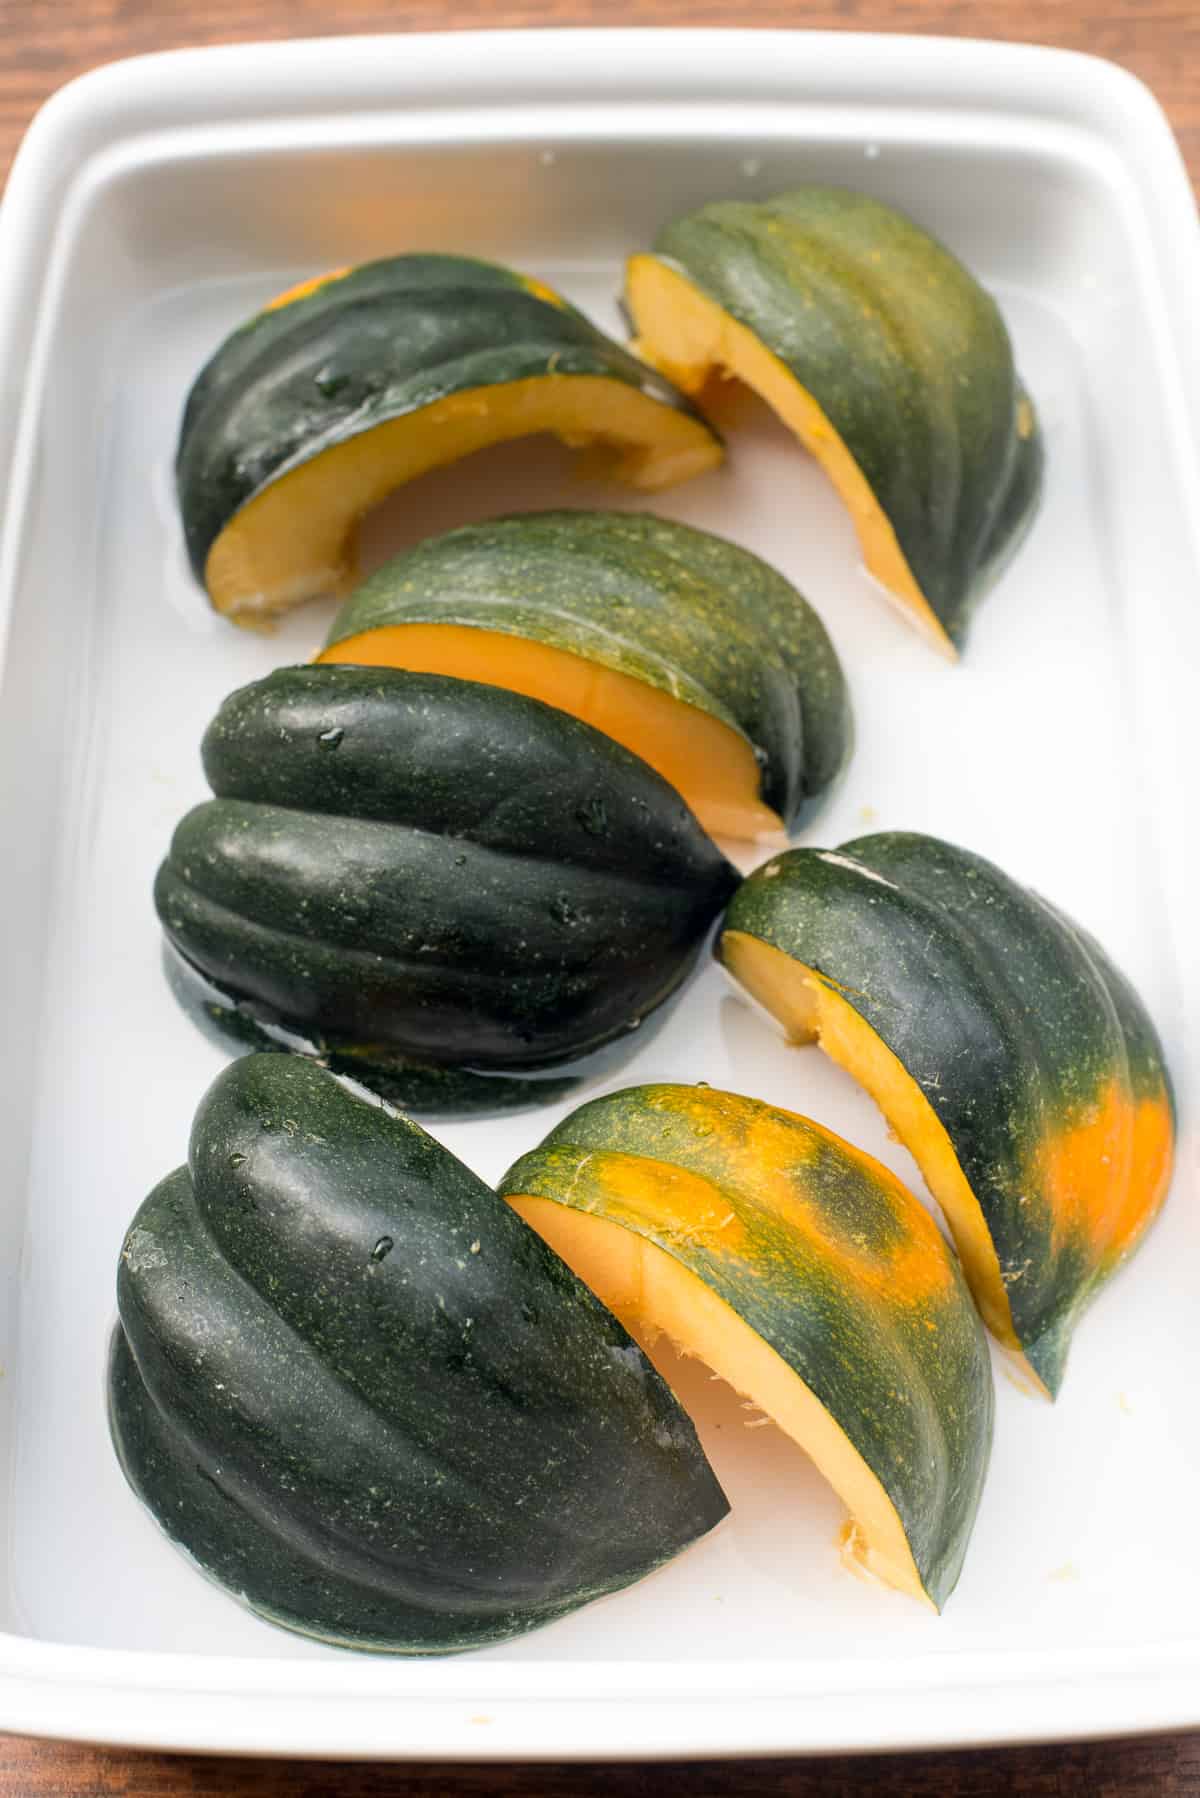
{"x":360,"y":1394}
{"x":687,"y":649}
{"x":807,"y":1277}
{"x":885,"y":357}
{"x":1010,"y":1056}
{"x":346,"y":387}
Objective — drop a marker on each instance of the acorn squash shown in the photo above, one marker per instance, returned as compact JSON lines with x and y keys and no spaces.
{"x":438,"y":886}
{"x":884,"y":356}
{"x":689,"y":650}
{"x":1009,"y":1055}
{"x":353,"y":1386}
{"x":347,"y":386}
{"x":805,"y":1275}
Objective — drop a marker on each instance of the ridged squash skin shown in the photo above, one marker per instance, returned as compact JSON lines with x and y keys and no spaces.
{"x":887,"y":357}
{"x":795,"y":1266}
{"x":441,"y":885}
{"x":465,"y":351}
{"x":1018,"y":1063}
{"x":360,"y":1394}
{"x":680,"y":610}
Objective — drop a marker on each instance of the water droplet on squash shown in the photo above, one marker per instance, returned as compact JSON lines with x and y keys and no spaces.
{"x":593,"y":815}
{"x":561,"y":909}
{"x":236,"y":1160}
{"x":330,"y":739}
{"x":382,"y":1248}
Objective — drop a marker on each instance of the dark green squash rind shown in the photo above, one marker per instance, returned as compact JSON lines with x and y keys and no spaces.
{"x":905,"y":354}
{"x":233,"y":1547}
{"x":911,"y":1389}
{"x":1019,"y":507}
{"x":367,"y":1399}
{"x":1008,"y":1019}
{"x":426,"y":1089}
{"x":424,"y":870}
{"x":687,"y":612}
{"x":386,"y":339}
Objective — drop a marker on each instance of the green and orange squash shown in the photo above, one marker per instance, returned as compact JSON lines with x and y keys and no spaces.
{"x":347,"y":386}
{"x":808,"y":1278}
{"x":442,"y":888}
{"x":1009,"y":1055}
{"x":361,"y":1395}
{"x":885,"y":357}
{"x":693,"y":653}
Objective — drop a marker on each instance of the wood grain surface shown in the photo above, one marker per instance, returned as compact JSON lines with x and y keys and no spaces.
{"x":1166,"y":1767}
{"x":1161,"y":1768}
{"x":44,"y":43}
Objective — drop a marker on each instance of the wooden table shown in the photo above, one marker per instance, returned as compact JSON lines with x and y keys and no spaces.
{"x":45,"y":42}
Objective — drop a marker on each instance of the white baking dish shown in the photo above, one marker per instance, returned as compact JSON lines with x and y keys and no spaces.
{"x":153,"y":205}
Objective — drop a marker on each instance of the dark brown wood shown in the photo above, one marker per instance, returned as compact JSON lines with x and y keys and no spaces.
{"x":1162,"y":1767}
{"x":44,"y":43}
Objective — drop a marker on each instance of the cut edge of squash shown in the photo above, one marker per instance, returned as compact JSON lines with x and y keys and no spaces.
{"x":810,"y":1009}
{"x":301,"y":290}
{"x":656,"y":1296}
{"x":678,"y":740}
{"x":294,"y":540}
{"x":689,"y":337}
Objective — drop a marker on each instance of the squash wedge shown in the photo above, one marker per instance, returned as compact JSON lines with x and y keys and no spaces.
{"x":1009,"y":1055}
{"x":807,"y":1277}
{"x":887,"y":360}
{"x":348,"y":386}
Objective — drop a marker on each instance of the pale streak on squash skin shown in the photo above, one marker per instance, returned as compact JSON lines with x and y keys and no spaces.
{"x":704,"y":339}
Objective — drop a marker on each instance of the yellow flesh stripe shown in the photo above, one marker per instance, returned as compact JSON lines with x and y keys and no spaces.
{"x":707,"y":762}
{"x":688,"y":336}
{"x":653,"y":1295}
{"x":294,"y":540}
{"x":811,"y":1010}
{"x":302,"y":289}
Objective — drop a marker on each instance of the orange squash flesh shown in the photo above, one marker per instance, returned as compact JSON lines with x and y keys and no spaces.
{"x":300,"y":290}
{"x":704,"y":341}
{"x":295,"y":540}
{"x":710,"y":764}
{"x":807,"y":1278}
{"x":811,"y":1010}
{"x":1101,"y":1175}
{"x":656,"y":1297}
